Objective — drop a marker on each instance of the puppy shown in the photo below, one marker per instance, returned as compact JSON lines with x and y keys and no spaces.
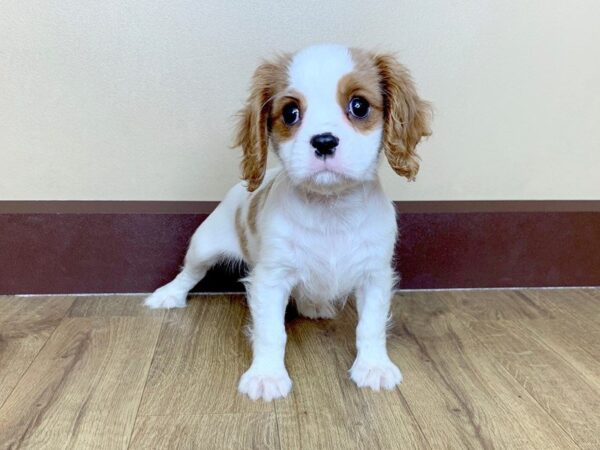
{"x":319,"y":228}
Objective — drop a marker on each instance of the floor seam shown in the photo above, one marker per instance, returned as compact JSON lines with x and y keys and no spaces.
{"x":137,"y":411}
{"x":33,"y":360}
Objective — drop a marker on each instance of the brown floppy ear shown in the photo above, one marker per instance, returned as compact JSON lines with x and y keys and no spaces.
{"x":254,"y":124}
{"x":405,"y":117}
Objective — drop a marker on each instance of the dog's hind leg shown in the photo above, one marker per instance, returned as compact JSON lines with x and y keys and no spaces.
{"x":214,"y":240}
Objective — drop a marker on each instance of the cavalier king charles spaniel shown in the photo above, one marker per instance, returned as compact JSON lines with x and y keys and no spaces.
{"x":319,"y":228}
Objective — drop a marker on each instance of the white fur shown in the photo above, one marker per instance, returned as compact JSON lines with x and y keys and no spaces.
{"x":324,"y":233}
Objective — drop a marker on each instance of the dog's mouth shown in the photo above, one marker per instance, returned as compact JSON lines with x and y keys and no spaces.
{"x":327,"y":176}
{"x":328,"y":170}
{"x":328,"y":182}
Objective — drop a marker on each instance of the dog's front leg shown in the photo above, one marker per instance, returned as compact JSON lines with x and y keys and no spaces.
{"x":267,"y":377}
{"x":373,"y":367}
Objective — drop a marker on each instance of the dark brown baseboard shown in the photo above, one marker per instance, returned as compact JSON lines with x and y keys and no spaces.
{"x":106,"y":247}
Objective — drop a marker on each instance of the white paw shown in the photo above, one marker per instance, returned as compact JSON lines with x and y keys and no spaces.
{"x":375,"y":374}
{"x":265,"y":384}
{"x":166,"y":297}
{"x":316,"y":310}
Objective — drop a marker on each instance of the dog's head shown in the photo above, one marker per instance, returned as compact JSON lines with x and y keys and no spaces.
{"x":328,"y":111}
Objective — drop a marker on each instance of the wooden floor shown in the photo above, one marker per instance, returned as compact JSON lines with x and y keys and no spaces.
{"x":487,"y":369}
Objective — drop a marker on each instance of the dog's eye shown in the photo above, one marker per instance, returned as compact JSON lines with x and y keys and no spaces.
{"x":359,"y":107}
{"x":291,"y":113}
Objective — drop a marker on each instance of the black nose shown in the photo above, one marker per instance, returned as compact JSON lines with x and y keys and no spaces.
{"x":324,"y":144}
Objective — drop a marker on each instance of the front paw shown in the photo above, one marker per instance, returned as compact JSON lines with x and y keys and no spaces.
{"x":375,"y":374}
{"x":166,"y":297}
{"x":267,"y":384}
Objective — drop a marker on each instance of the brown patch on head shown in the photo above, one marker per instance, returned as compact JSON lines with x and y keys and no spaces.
{"x":241,"y":235}
{"x":256,"y":204}
{"x":405,"y":116}
{"x":363,"y":82}
{"x":254,"y":125}
{"x":282,"y":132}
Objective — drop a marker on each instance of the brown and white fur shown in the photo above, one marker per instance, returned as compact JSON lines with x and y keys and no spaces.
{"x":320,"y":228}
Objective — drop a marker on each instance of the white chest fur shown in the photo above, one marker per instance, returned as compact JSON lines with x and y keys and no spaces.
{"x":326,"y":248}
{"x":329,"y":266}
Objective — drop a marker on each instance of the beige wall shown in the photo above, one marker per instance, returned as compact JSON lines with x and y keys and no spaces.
{"x":133,"y":99}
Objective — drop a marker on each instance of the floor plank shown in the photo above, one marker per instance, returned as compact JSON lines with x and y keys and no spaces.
{"x":200,"y":355}
{"x":575,"y":342}
{"x":456,"y":389}
{"x":556,"y":385}
{"x":206,"y":431}
{"x":579,"y":305}
{"x":25,"y":326}
{"x":112,"y":306}
{"x":536,"y":358}
{"x":495,"y":305}
{"x":84,"y":388}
